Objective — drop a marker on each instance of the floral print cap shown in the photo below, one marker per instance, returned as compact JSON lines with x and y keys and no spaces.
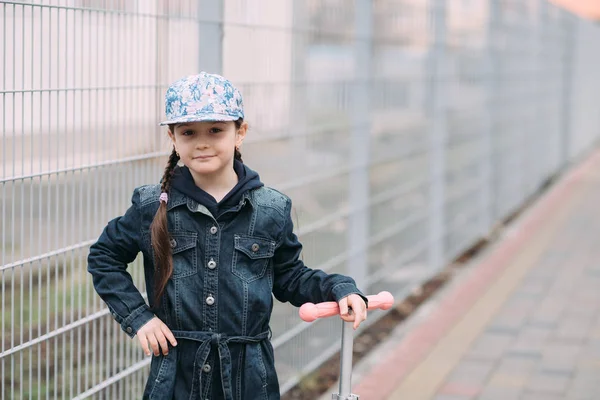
{"x":203,"y":97}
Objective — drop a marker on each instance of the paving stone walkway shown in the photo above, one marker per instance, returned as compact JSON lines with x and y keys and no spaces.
{"x":521,"y":323}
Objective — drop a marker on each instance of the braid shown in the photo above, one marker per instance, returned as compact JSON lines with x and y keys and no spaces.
{"x":237,"y":155}
{"x":169,"y":170}
{"x":163,"y":256}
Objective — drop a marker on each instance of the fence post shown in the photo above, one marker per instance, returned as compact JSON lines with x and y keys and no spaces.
{"x":566,"y":104}
{"x":299,"y":79}
{"x":436,"y":109}
{"x":540,"y":129}
{"x":487,"y":156}
{"x":210,"y":58}
{"x":358,"y":185}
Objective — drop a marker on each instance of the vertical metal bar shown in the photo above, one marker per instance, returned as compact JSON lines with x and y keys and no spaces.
{"x":49,"y":202}
{"x":541,"y":138}
{"x":110,"y":99}
{"x":437,"y":133}
{"x":40,"y":203}
{"x":90,"y":329}
{"x":299,"y":79}
{"x":72,"y":353}
{"x":65,"y":274}
{"x":57,"y":212}
{"x":99,"y":189}
{"x":22,"y":184}
{"x":75,"y":234}
{"x":116,"y":344}
{"x":161,"y":35}
{"x":122,"y":364}
{"x":12,"y":189}
{"x":81,"y":370}
{"x":91,"y":174}
{"x":70,"y":182}
{"x":31,"y":202}
{"x":4,"y":174}
{"x":486,"y":170}
{"x":358,"y":185}
{"x":568,"y":61}
{"x":211,"y":36}
{"x":346,"y":361}
{"x":56,"y":218}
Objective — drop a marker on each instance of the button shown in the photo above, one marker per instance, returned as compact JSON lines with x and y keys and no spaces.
{"x":206,"y":368}
{"x":213,"y":230}
{"x":255,"y":247}
{"x":210,"y":300}
{"x":129,"y":330}
{"x":212,"y":264}
{"x":173,"y":243}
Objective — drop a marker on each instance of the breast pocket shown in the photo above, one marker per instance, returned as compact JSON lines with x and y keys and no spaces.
{"x":251,"y":257}
{"x":184,"y":249}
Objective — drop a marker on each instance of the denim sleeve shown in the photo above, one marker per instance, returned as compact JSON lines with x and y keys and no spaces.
{"x":298,"y":284}
{"x":118,"y":246}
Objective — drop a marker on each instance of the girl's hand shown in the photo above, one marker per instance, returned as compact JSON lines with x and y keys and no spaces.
{"x":359,"y":309}
{"x":154,"y":334}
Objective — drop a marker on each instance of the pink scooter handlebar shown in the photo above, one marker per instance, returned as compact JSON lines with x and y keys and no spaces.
{"x":310,"y":312}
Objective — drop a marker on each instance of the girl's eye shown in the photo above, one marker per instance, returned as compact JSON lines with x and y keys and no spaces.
{"x":187,"y":133}
{"x":215,"y":130}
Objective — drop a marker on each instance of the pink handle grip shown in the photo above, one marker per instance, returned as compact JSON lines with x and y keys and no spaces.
{"x":310,"y":312}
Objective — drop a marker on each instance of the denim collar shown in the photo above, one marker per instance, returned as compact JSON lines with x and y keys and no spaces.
{"x":176,"y":199}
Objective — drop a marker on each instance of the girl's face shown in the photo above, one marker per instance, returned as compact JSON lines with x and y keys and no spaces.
{"x":207,"y":148}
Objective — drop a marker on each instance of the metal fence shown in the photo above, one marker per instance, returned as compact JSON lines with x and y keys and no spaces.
{"x":402,"y":129}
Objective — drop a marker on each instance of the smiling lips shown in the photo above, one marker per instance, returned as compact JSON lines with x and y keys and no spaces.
{"x":202,"y":157}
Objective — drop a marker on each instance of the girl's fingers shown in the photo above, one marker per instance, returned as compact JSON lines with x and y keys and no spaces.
{"x":344,"y":308}
{"x":153,"y":344}
{"x":155,"y":336}
{"x":348,"y":318}
{"x":162,"y":341}
{"x":359,"y":309}
{"x":144,"y":343}
{"x":169,"y":335}
{"x":360,"y":317}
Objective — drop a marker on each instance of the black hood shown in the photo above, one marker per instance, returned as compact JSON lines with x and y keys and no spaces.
{"x":248,"y":179}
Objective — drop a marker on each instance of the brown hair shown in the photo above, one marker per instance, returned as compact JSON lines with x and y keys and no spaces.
{"x":160,"y":239}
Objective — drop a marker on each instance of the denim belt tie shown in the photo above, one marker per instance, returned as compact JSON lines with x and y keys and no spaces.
{"x":209,"y":339}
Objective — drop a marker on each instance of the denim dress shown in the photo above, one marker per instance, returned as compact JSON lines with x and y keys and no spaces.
{"x":219,"y":300}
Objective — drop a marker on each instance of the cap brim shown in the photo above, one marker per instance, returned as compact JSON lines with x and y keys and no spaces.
{"x":201,"y":118}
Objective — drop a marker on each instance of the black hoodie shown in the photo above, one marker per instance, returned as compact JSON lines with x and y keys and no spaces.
{"x":248,"y":179}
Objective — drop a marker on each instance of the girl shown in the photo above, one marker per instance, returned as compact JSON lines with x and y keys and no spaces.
{"x":216,"y":244}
